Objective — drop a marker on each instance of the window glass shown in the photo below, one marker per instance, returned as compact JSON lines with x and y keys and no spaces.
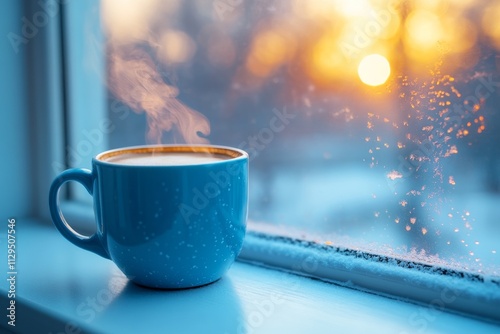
{"x":370,"y":124}
{"x":87,"y":124}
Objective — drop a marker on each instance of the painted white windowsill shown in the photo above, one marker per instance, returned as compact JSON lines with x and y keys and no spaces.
{"x":63,"y":289}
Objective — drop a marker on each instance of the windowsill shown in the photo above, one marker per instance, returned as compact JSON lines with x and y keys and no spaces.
{"x":60,"y":286}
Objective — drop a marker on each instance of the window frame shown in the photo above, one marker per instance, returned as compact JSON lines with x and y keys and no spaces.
{"x":432,"y":286}
{"x":45,"y":106}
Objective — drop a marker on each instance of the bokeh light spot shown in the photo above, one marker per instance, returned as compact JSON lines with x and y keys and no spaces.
{"x":374,"y":70}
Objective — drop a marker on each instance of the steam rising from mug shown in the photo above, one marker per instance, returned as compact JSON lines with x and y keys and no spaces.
{"x":133,"y":76}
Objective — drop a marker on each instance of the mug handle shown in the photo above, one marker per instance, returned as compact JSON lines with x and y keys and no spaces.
{"x":84,"y":177}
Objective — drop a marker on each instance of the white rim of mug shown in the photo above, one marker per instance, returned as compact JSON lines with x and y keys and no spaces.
{"x":237,"y":153}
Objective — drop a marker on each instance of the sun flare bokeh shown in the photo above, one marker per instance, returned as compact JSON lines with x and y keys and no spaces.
{"x":374,"y":70}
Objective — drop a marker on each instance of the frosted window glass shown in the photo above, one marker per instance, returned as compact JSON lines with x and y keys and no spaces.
{"x":370,"y":124}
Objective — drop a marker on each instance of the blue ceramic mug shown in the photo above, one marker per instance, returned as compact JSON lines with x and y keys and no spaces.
{"x":168,"y":216}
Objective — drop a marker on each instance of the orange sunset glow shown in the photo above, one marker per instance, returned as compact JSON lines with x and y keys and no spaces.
{"x":324,"y":40}
{"x":403,"y":88}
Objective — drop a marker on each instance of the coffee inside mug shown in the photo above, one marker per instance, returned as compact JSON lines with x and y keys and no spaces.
{"x":168,"y":156}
